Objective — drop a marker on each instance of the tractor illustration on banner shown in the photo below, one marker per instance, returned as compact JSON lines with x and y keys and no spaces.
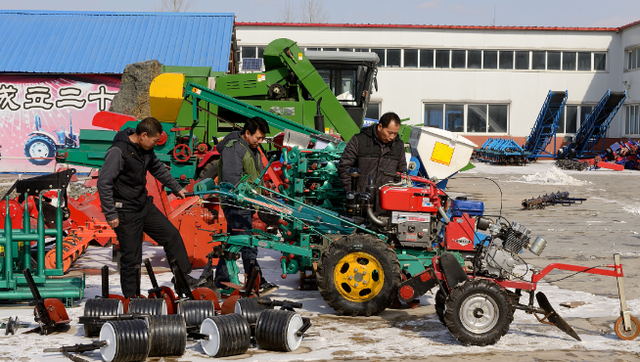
{"x":41,"y":146}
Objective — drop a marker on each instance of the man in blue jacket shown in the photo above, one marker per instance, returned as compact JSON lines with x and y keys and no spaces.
{"x":127,"y":207}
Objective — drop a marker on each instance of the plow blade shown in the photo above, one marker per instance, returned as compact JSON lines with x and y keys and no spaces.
{"x":553,"y":318}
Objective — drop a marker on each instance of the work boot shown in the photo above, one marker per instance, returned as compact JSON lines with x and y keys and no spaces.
{"x":191,"y":281}
{"x":267,"y":288}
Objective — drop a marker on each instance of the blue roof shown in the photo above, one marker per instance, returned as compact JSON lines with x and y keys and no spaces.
{"x":104,"y":43}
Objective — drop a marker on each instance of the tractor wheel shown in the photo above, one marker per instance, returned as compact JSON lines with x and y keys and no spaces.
{"x":210,"y":170}
{"x":441,"y":307}
{"x":478,"y":312}
{"x":38,"y":147}
{"x":358,"y":275}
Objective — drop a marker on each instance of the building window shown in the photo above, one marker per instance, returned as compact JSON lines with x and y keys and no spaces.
{"x":345,"y":50}
{"x":498,"y":118}
{"x":477,"y":118}
{"x":506,"y":59}
{"x":380,"y":53}
{"x":411,"y":58}
{"x":538,"y":60}
{"x":553,"y":60}
{"x":249,"y":52}
{"x":373,"y":110}
{"x":584,"y":61}
{"x":632,"y":122}
{"x":599,"y":61}
{"x":361,"y":50}
{"x":633,"y":61}
{"x":394,"y":58}
{"x":568,"y":61}
{"x":251,"y":59}
{"x":458,"y":59}
{"x":522,"y":60}
{"x":442,"y":58}
{"x":454,"y":117}
{"x":313,"y":49}
{"x":474,"y":59}
{"x":426,"y":58}
{"x":433,"y":115}
{"x":329,"y":49}
{"x":490,"y":59}
{"x":469,"y":118}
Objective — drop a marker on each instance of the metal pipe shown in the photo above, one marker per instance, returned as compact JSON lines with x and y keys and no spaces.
{"x":372,"y":217}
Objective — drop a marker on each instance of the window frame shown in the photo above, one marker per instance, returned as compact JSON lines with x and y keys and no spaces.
{"x":465,"y":116}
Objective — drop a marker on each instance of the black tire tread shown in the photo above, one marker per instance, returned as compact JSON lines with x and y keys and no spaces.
{"x":368,"y":244}
{"x":489,"y":288}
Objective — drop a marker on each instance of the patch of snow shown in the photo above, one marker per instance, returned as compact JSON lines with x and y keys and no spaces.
{"x":552,"y":176}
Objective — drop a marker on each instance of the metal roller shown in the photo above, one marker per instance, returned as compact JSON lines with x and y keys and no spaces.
{"x":280,"y":330}
{"x":167,"y":335}
{"x":125,"y":341}
{"x":195,"y":311}
{"x":96,"y":308}
{"x":227,"y":335}
{"x":147,"y":306}
{"x":250,"y":308}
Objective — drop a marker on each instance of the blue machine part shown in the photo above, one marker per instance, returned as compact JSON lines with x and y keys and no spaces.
{"x":471,"y":207}
{"x":414,"y":166}
{"x":594,"y":127}
{"x":546,"y":125}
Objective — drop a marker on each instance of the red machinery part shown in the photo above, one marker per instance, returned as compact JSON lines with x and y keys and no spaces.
{"x":182,"y":153}
{"x":414,"y":199}
{"x":460,"y":233}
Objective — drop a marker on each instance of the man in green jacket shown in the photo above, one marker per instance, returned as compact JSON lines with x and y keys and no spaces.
{"x":239,"y":156}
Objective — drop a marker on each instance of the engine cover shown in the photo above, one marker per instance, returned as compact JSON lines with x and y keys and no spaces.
{"x":414,"y":229}
{"x":415,"y":199}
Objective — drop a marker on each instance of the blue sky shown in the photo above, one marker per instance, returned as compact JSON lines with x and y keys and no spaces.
{"x":582,"y":13}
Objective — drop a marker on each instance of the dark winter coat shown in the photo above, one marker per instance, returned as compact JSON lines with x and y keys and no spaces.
{"x":237,"y":158}
{"x":372,"y":157}
{"x":122,"y":181}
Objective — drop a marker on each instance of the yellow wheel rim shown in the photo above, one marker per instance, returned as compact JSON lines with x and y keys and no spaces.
{"x":359,"y":277}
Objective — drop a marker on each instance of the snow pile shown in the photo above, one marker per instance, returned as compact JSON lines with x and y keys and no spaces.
{"x":635,"y":210}
{"x":552,"y":176}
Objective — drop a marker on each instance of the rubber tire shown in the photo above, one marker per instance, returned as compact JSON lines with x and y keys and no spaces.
{"x":492,"y":292}
{"x":46,"y":141}
{"x":358,"y":243}
{"x":630,"y":335}
{"x":441,"y":307}
{"x":210,"y":170}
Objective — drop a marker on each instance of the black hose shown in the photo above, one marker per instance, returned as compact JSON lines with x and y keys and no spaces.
{"x":96,"y":308}
{"x":131,"y":341}
{"x":228,"y":335}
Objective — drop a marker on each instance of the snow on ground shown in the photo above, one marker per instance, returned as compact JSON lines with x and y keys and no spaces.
{"x":396,"y":333}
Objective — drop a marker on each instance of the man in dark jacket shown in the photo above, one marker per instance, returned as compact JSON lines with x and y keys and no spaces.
{"x":239,"y":156}
{"x":127,"y":207}
{"x":374,"y":150}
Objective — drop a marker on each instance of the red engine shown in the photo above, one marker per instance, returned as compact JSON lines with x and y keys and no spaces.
{"x":414,"y":199}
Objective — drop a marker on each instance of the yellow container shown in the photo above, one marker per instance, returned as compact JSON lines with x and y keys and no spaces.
{"x":165,"y":96}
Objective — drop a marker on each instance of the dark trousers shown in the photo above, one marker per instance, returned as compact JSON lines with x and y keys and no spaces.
{"x":238,"y":223}
{"x":152,"y":222}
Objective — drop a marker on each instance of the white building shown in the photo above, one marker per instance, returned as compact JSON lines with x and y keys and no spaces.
{"x":455,"y":77}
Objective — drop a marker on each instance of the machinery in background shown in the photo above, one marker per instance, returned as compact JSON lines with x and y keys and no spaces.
{"x":16,"y":245}
{"x":594,"y":127}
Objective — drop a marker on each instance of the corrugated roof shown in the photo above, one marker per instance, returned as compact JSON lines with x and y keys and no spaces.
{"x":101,"y":42}
{"x":419,"y":26}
